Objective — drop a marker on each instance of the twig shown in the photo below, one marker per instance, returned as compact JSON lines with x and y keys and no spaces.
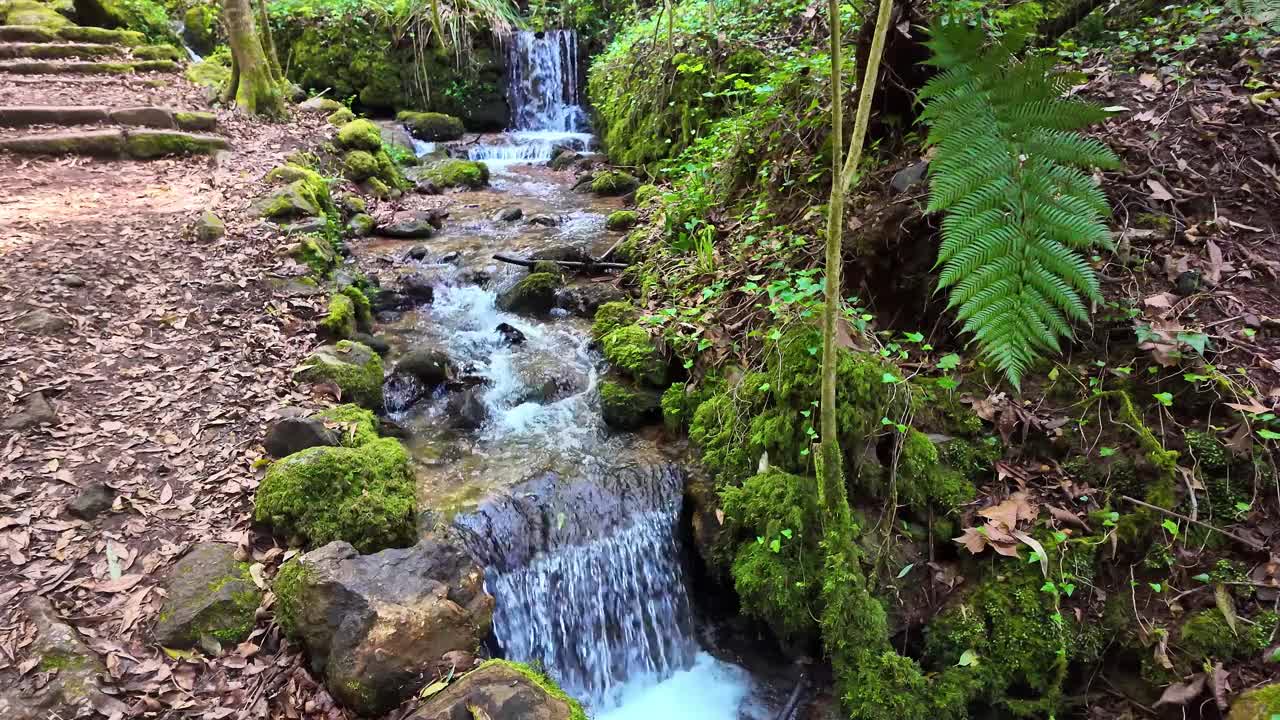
{"x":566,"y":263}
{"x":1251,"y":543}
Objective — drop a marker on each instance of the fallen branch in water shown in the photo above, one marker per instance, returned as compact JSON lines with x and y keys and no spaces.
{"x":564,"y":263}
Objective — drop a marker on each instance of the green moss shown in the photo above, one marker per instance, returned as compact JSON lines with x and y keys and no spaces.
{"x":1205,"y":636}
{"x":29,"y":12}
{"x":144,"y":16}
{"x":157,"y":52}
{"x":545,"y":683}
{"x":1258,"y":704}
{"x":105,"y":36}
{"x":363,"y":308}
{"x":625,"y":407}
{"x":632,"y":350}
{"x":353,"y":367}
{"x":923,"y":481}
{"x":211,"y":72}
{"x":359,"y":165}
{"x":432,"y":126}
{"x":61,"y":661}
{"x":316,"y":253}
{"x":611,"y":316}
{"x":361,"y":225}
{"x":1210,"y":456}
{"x":287,"y":586}
{"x":377,"y":188}
{"x":340,"y":322}
{"x":306,"y":194}
{"x":340,"y":117}
{"x":458,"y":173}
{"x":363,"y":495}
{"x":621,"y":220}
{"x":645,"y":194}
{"x":613,"y":182}
{"x":535,"y":293}
{"x":777,"y":565}
{"x":201,"y":24}
{"x":356,"y":426}
{"x":360,"y":135}
{"x":195,"y":120}
{"x":149,"y":145}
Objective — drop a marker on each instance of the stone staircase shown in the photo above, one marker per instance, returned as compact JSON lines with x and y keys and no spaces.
{"x":120,"y":81}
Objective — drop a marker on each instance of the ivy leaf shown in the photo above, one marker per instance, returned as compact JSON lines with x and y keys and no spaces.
{"x":914,"y":337}
{"x":1266,"y":434}
{"x":949,"y":362}
{"x":968,"y":658}
{"x":1107,"y":451}
{"x":786,"y":533}
{"x":889,"y":378}
{"x":1166,"y":399}
{"x":1170,"y":526}
{"x":775,"y":545}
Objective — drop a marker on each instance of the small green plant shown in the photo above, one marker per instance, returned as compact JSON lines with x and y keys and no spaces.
{"x":1020,"y":209}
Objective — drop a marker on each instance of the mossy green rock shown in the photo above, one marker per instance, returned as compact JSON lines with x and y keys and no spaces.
{"x":210,"y":594}
{"x":210,"y":73}
{"x":195,"y":120}
{"x":359,"y":165}
{"x":613,"y":182}
{"x":1261,"y":703}
{"x":646,"y":194}
{"x":209,"y":227}
{"x":631,"y":350}
{"x":502,"y":690}
{"x":431,"y":125}
{"x":611,"y":316}
{"x":360,"y":135}
{"x":65,"y":683}
{"x":201,"y":26}
{"x":315,"y":252}
{"x":29,"y":12}
{"x":535,"y":294}
{"x":341,"y":117}
{"x":305,"y":194}
{"x":145,"y":16}
{"x":353,"y":367}
{"x":621,"y":220}
{"x":361,"y":225}
{"x":362,"y":495}
{"x":627,"y":407}
{"x":340,"y":322}
{"x":458,"y":173}
{"x":157,"y":52}
{"x":354,"y":425}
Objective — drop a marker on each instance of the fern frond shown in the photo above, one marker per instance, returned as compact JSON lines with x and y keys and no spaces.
{"x":1009,"y":171}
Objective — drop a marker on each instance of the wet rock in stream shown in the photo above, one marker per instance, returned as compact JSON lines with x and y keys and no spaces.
{"x":466,"y":409}
{"x":418,"y":252}
{"x":429,"y":366}
{"x":418,"y":286}
{"x":376,"y":626}
{"x":508,"y":214}
{"x":413,"y":224}
{"x":511,"y":335}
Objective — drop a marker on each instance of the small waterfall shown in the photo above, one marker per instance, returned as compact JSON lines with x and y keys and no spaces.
{"x":543,"y":81}
{"x":180,"y":29}
{"x":587,"y":577}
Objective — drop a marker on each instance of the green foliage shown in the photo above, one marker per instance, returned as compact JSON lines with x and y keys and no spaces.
{"x":924,"y":481}
{"x":145,"y":16}
{"x":1009,"y":171}
{"x":363,"y":495}
{"x":202,"y":26}
{"x":777,"y":566}
{"x":1206,"y":636}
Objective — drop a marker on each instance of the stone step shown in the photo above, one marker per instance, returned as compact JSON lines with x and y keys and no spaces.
{"x":55,"y":51}
{"x":115,"y":143}
{"x":20,"y":116}
{"x":84,"y":67}
{"x":71,"y":33}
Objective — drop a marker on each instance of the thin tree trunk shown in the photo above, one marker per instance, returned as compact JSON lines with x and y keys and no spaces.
{"x":233,"y":82}
{"x":255,"y":92}
{"x":831,"y":492}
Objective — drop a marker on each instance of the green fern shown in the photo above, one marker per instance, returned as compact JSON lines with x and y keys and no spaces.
{"x":1010,"y":173}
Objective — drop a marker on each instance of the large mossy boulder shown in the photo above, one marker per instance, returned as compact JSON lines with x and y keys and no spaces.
{"x":210,"y":595}
{"x":621,"y":220}
{"x":1262,"y":703}
{"x":535,"y":294}
{"x":30,"y":12}
{"x":431,"y":126}
{"x":631,"y":350}
{"x":202,"y":27}
{"x":353,"y":367}
{"x":301,"y":192}
{"x":501,"y":690}
{"x":377,"y":626}
{"x":455,"y":173}
{"x":360,"y":135}
{"x":362,"y":495}
{"x":145,"y":16}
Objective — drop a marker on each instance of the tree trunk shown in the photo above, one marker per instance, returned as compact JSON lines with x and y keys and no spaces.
{"x":269,"y":43}
{"x":255,"y":90}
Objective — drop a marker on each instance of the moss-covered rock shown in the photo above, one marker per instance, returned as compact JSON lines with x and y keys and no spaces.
{"x":454,"y":173}
{"x":621,"y":220}
{"x":340,"y":117}
{"x":213,"y":72}
{"x":157,"y":52}
{"x":201,"y":27}
{"x":631,"y":350}
{"x":30,"y":12}
{"x":145,"y":16}
{"x":502,"y":689}
{"x":1261,"y":703}
{"x":360,"y":135}
{"x":613,"y":182}
{"x":354,"y":425}
{"x":363,"y":308}
{"x":363,"y":495}
{"x":315,"y":252}
{"x":353,"y":367}
{"x":361,"y":225}
{"x":646,"y":194}
{"x":1207,"y":637}
{"x":209,"y":227}
{"x":305,"y":194}
{"x":534,"y":294}
{"x":210,"y":594}
{"x":432,"y":126}
{"x":195,"y":120}
{"x":924,"y":482}
{"x":340,"y":322}
{"x":148,"y":144}
{"x":611,"y":316}
{"x":359,"y":165}
{"x":627,"y":407}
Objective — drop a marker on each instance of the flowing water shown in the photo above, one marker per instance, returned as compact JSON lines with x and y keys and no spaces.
{"x":576,"y":527}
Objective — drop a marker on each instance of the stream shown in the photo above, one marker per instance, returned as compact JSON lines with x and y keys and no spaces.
{"x":576,"y":526}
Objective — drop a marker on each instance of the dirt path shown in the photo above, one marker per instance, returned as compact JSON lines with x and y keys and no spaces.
{"x":139,"y":364}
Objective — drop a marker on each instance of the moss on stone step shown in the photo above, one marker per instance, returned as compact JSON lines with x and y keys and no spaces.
{"x":195,"y":120}
{"x":44,"y":51}
{"x":148,"y":144}
{"x":84,"y":67}
{"x":77,"y":33}
{"x":103,"y":143}
{"x":157,"y":52}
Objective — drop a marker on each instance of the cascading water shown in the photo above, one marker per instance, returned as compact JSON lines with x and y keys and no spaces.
{"x":546,"y":109}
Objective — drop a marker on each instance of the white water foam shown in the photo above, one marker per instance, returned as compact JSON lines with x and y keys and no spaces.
{"x":709,"y":690}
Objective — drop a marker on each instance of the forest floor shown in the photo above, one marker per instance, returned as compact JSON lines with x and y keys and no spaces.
{"x":160,"y":357}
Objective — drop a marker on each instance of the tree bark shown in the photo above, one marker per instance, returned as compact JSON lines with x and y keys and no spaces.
{"x":256,"y":91}
{"x":268,"y":42}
